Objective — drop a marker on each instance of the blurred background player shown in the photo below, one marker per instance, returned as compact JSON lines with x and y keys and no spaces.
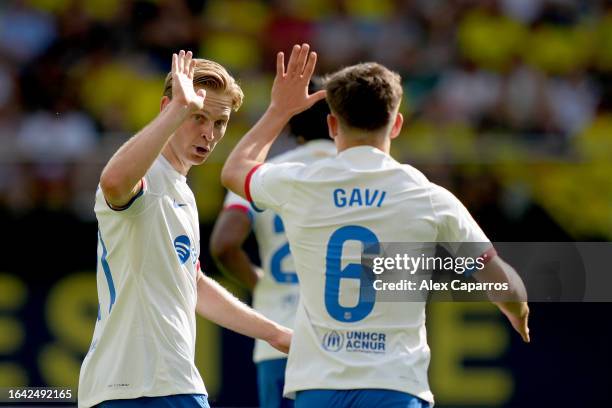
{"x":149,"y":279}
{"x":386,"y":363}
{"x":274,"y":285}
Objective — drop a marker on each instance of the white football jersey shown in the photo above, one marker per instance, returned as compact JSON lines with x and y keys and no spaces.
{"x":331,"y":209}
{"x":144,"y":339}
{"x":276,"y":294}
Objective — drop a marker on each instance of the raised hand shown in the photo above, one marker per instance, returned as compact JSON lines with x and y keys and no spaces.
{"x":183,"y":92}
{"x":290,"y":89}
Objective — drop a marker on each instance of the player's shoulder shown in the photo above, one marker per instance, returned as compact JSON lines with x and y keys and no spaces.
{"x":442,"y":197}
{"x":412,"y":173}
{"x":159,"y":170}
{"x":439,"y":195}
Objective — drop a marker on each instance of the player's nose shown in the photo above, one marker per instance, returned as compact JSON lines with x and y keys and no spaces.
{"x":206,"y":132}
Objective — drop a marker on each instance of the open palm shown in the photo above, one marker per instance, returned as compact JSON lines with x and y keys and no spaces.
{"x":183,"y":66}
{"x":290,"y":87}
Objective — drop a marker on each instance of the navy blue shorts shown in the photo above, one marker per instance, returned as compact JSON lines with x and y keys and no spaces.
{"x":270,"y":383}
{"x":170,"y":401}
{"x":366,"y":398}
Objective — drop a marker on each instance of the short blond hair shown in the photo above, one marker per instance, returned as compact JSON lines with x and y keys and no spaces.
{"x":211,"y":75}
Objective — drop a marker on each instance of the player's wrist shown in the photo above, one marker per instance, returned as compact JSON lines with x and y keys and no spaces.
{"x":181,"y":107}
{"x":280,"y":337}
{"x":278,"y":112}
{"x":176,"y":112}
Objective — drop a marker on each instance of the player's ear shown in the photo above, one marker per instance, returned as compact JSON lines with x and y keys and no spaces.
{"x":164,"y":102}
{"x":397,"y":125}
{"x":332,"y":125}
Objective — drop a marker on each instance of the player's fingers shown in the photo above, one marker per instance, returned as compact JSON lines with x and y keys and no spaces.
{"x":188,"y":59}
{"x":302,"y":58}
{"x":526,"y":330}
{"x":316,"y":97}
{"x":181,"y":61}
{"x":524,"y":334}
{"x":280,"y":64}
{"x":174,"y":63}
{"x":192,"y":68}
{"x":292,"y":64}
{"x":310,"y":65}
{"x":201,"y":93}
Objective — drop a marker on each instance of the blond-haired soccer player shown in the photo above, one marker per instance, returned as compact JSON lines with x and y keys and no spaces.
{"x":149,"y":281}
{"x":348,"y":349}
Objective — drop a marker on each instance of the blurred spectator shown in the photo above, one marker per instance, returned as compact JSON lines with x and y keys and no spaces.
{"x":468,"y":94}
{"x":557,"y":49}
{"x":525,"y":11}
{"x":524,"y":101}
{"x":573,"y":100}
{"x":395,"y":41}
{"x":285,"y":26}
{"x":336,"y":39}
{"x":489,"y":38}
{"x":24,"y":32}
{"x":57,"y":138}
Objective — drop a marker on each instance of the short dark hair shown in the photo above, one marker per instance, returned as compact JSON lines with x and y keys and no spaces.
{"x":312,"y":123}
{"x":364,"y":96}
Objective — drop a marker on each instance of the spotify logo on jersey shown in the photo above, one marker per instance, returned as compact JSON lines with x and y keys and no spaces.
{"x":182,"y":246}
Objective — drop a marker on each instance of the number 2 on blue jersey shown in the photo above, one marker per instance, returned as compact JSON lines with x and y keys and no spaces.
{"x":276,"y":261}
{"x":334,"y":274}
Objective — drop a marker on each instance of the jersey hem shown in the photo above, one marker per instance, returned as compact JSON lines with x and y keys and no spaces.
{"x":291,"y":390}
{"x":133,"y":395}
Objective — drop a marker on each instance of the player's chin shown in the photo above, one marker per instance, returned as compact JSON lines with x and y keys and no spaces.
{"x":197,"y":159}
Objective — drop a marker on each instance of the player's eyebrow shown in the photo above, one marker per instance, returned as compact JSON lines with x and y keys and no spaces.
{"x":208,"y":114}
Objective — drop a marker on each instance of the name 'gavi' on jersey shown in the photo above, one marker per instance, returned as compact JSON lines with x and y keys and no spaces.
{"x":343,"y":338}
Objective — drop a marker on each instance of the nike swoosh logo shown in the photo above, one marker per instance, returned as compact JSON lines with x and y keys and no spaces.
{"x":177,"y":205}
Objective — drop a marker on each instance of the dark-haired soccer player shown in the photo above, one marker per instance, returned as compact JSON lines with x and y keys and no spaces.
{"x":275,"y":285}
{"x":350,"y":350}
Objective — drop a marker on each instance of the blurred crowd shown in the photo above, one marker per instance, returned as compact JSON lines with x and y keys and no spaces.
{"x":507,"y":101}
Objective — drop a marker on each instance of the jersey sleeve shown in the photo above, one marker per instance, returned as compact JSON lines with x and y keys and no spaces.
{"x":270,"y":185}
{"x":134,"y":206}
{"x":234,"y":202}
{"x":458,"y":232}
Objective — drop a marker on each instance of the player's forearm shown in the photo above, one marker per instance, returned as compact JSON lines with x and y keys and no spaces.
{"x":131,"y":162}
{"x":237,"y":265}
{"x":231,"y":230}
{"x":216,"y":304}
{"x":512,"y":302}
{"x":253,"y":149}
{"x":498,"y":271}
